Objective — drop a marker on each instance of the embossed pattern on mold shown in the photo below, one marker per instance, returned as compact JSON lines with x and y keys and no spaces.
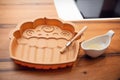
{"x":45,"y":31}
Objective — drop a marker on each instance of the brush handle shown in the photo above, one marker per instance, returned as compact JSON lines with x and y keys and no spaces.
{"x":76,"y":36}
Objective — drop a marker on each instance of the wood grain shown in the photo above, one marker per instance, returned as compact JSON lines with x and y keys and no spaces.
{"x":16,"y":11}
{"x":105,"y":67}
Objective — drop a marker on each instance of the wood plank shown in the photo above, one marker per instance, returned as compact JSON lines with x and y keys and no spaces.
{"x":102,"y":67}
{"x":8,"y":2}
{"x":94,"y":29}
{"x":15,"y":12}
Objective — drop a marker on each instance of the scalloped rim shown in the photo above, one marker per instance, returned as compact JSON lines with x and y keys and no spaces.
{"x":41,"y":21}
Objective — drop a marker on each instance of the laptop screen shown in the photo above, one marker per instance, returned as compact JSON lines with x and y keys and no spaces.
{"x":99,"y":8}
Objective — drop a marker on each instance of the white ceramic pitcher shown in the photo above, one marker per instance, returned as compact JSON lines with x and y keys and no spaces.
{"x":96,"y":46}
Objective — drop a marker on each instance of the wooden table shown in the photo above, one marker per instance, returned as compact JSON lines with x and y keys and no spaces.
{"x":105,"y":67}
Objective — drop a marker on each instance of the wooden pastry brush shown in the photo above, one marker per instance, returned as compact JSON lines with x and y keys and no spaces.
{"x":76,"y":36}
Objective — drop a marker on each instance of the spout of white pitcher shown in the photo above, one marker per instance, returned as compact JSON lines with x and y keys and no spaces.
{"x":110,"y":33}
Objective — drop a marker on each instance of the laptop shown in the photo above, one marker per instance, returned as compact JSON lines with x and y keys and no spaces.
{"x":76,"y":10}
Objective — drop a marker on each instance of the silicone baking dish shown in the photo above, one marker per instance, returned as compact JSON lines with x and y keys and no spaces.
{"x":37,"y":44}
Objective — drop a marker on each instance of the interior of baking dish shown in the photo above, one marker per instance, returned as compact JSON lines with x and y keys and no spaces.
{"x":37,"y":44}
